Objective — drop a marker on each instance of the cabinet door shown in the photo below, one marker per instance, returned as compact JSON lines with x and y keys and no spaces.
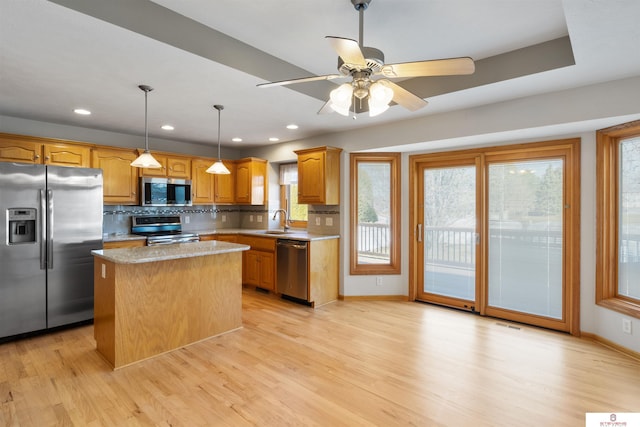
{"x":251,"y":178}
{"x":267,"y":271}
{"x":243,"y":182}
{"x":202,"y":184}
{"x":120,"y":179}
{"x":178,"y":167}
{"x":67,"y":155}
{"x":225,"y":184}
{"x":311,"y":178}
{"x":251,"y":267}
{"x":20,"y":151}
{"x":158,"y":172}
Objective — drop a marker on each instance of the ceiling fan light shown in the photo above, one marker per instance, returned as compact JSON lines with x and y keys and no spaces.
{"x":341,"y":99}
{"x":218,"y":168}
{"x":379,"y":98}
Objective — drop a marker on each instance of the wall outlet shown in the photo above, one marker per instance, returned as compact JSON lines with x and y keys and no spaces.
{"x":259,"y":218}
{"x":328,"y":221}
{"x":224,"y":218}
{"x":626,"y":326}
{"x":250,"y":218}
{"x":317,"y":220}
{"x":187,"y":219}
{"x":379,"y":281}
{"x":104,"y":271}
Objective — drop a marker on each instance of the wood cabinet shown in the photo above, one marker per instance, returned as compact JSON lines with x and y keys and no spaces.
{"x":319,"y":176}
{"x":120,"y":180}
{"x":258,"y":263}
{"x":67,"y":155}
{"x":124,"y":244}
{"x":251,"y":180}
{"x":202,"y":183}
{"x":26,"y":149}
{"x":172,"y":166}
{"x":225,"y":184}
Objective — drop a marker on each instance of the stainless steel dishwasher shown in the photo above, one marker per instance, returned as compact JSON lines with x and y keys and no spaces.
{"x":292,"y":268}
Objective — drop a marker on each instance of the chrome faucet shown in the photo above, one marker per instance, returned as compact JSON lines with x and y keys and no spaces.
{"x":287,"y":220}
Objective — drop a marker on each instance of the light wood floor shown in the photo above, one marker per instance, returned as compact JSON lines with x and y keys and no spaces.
{"x":356,"y":363}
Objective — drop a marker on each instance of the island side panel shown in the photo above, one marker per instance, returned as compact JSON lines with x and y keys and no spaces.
{"x":104,"y":308}
{"x":323,"y":271}
{"x":164,"y":305}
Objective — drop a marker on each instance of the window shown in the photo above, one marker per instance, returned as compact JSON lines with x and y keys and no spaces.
{"x":375,"y":213}
{"x":618,"y":218}
{"x":298,"y":213}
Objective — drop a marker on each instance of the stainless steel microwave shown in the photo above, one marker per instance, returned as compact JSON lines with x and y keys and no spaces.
{"x":165,"y":192}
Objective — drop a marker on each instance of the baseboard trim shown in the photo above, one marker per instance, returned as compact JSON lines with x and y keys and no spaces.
{"x":605,"y":342}
{"x":373,"y":298}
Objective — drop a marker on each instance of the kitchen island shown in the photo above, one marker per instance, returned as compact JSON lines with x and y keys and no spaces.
{"x":153,"y":299}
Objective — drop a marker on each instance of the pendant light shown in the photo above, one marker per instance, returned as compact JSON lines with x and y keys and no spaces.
{"x":146,"y":160}
{"x":218,"y":167}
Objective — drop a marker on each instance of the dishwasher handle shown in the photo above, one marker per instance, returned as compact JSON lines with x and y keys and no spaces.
{"x":292,"y":244}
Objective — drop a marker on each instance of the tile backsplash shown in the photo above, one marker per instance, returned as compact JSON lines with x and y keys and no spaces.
{"x":322,"y":219}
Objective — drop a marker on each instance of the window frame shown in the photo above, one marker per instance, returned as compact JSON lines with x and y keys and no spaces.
{"x":607,"y":217}
{"x":393,"y":267}
{"x":284,"y":203}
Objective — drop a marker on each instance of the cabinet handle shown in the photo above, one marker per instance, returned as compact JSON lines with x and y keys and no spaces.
{"x":36,"y":157}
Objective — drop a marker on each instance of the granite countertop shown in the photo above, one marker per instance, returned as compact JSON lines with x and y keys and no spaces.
{"x":144,"y":254}
{"x":291,"y":234}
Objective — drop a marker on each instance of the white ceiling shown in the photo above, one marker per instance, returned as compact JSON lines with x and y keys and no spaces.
{"x":55,"y":57}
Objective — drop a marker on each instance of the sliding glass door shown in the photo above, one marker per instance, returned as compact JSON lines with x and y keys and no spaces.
{"x":496,"y":232}
{"x":449,"y":232}
{"x":525,"y":236}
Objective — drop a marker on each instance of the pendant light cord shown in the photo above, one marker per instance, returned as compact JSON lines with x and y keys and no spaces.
{"x":219,"y":108}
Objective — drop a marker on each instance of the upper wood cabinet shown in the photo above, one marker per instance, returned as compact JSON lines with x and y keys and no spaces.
{"x":172,"y":166}
{"x":225,"y":184}
{"x":319,"y":176}
{"x":202,"y":185}
{"x":27,"y":149}
{"x":251,"y":179}
{"x":120,"y":179}
{"x":67,"y":155}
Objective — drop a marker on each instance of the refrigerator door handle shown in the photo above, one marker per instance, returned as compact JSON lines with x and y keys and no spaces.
{"x":43,"y":230}
{"x":50,"y":229}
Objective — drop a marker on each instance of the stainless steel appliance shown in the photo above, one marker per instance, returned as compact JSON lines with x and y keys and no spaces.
{"x":165,"y":191}
{"x":50,"y":221}
{"x":161,"y":230}
{"x":292,"y":268}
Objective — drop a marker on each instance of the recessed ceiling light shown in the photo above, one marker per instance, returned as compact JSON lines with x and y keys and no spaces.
{"x":272,"y":139}
{"x":236,"y":139}
{"x":292,"y":126}
{"x":82,"y":111}
{"x":167,"y":127}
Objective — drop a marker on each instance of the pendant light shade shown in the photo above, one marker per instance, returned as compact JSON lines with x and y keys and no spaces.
{"x":218,"y":167}
{"x":146,"y":160}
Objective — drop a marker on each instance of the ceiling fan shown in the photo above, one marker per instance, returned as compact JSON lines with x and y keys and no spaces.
{"x":361,"y":63}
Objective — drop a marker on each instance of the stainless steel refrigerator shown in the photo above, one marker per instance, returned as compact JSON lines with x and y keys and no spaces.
{"x":50,"y":220}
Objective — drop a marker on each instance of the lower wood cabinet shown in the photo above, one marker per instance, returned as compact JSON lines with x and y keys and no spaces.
{"x":259,"y":263}
{"x":124,"y":244}
{"x":232,"y":238}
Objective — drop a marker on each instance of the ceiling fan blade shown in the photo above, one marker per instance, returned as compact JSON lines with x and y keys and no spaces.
{"x":405,"y":98}
{"x":326,"y":108}
{"x":349,"y":50}
{"x":436,"y":67}
{"x":301,"y":80}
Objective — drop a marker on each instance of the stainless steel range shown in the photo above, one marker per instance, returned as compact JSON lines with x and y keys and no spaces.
{"x":161,"y":230}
